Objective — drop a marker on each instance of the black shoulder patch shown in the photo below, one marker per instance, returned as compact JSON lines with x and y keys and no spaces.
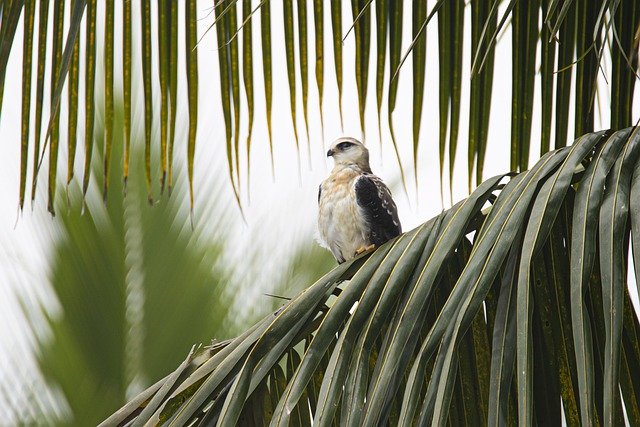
{"x":380,"y":211}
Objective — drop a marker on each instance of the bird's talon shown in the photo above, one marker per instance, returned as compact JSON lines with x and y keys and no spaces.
{"x":363,"y":249}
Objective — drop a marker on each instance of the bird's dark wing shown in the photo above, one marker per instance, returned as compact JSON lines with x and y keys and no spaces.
{"x":319,"y":192}
{"x":374,"y":198}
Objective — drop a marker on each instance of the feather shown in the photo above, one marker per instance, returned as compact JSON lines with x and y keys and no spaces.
{"x":378,"y":208}
{"x":355,"y":208}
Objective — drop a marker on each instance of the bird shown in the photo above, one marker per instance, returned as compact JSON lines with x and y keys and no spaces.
{"x":356,"y":212}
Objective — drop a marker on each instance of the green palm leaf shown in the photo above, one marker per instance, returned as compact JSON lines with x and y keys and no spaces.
{"x":336,"y":26}
{"x":145,"y":25}
{"x":27,"y":54}
{"x":108,"y":100}
{"x":506,"y":241}
{"x":610,"y":35}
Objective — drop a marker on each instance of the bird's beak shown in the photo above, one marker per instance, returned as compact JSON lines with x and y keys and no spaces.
{"x":330,"y":153}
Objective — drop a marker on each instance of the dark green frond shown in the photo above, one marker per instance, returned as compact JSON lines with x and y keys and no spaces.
{"x":509,"y":297}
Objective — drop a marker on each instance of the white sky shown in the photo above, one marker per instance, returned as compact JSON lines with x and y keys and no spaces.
{"x":281,"y":213}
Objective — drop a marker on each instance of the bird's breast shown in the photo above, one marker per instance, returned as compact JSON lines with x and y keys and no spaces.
{"x":340,"y":224}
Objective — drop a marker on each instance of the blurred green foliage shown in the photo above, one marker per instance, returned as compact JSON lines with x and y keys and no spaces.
{"x":137,"y":287}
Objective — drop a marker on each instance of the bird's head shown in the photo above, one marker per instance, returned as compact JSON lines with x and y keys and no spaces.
{"x":347,"y":151}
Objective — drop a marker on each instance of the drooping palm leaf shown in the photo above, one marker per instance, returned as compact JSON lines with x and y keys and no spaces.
{"x":450,"y":38}
{"x":587,"y":67}
{"x":287,"y":14}
{"x":191,"y":53}
{"x":625,"y":62}
{"x":610,"y":34}
{"x":247,"y":74}
{"x":163,"y":34}
{"x":74,"y":83}
{"x":43,"y":23}
{"x":231,"y":44}
{"x":336,"y":26}
{"x":481,"y":89}
{"x":318,"y":25}
{"x":53,"y":131}
{"x":524,"y":41}
{"x":126,"y":85}
{"x":382,"y":22}
{"x":90,"y":73}
{"x":108,"y":99}
{"x":566,"y":48}
{"x":224,"y":62}
{"x":419,"y":53}
{"x":395,"y":52}
{"x":145,"y":27}
{"x":361,"y":15}
{"x":8,"y":27}
{"x":173,"y":86}
{"x":304,"y":66}
{"x":27,"y":54}
{"x":265,"y":33}
{"x":548,"y":56}
{"x":409,"y":317}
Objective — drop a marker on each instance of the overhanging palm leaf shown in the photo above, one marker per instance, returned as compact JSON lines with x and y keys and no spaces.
{"x":606,"y":28}
{"x":430,"y":327}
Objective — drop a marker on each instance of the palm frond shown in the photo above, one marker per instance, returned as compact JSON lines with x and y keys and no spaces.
{"x":610,"y":36}
{"x":458,"y":319}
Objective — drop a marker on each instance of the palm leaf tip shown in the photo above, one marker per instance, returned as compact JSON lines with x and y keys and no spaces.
{"x":604,"y":24}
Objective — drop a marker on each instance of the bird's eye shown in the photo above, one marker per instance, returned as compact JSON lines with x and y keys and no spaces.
{"x":344,"y":145}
